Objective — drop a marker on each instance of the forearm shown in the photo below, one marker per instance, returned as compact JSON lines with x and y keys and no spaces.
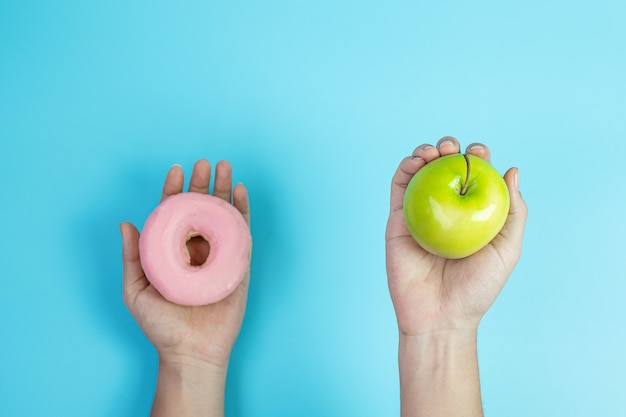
{"x":439,"y":375}
{"x":189,"y":388}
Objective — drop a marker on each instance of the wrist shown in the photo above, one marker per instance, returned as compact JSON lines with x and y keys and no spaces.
{"x":189,"y":386}
{"x":439,"y":374}
{"x":440,"y":347}
{"x":196,"y":354}
{"x":435,"y":324}
{"x":443,"y":335}
{"x":189,"y":364}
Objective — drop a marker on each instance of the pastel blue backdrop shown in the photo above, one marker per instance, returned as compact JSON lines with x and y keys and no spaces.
{"x":314,"y":103}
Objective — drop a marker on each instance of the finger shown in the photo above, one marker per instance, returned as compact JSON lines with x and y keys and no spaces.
{"x":511,"y":236}
{"x":223,"y":181}
{"x":173,"y":182}
{"x":479,"y":150}
{"x":134,"y":279}
{"x":427,"y":152}
{"x":241,"y":201}
{"x":448,"y":145}
{"x":200,"y":177}
{"x":396,"y":224}
{"x":407,"y":168}
{"x":518,"y":211}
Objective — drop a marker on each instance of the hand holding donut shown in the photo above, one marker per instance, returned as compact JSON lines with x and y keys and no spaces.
{"x":187,"y":338}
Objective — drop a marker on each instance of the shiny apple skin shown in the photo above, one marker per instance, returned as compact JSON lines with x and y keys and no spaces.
{"x":449,"y":224}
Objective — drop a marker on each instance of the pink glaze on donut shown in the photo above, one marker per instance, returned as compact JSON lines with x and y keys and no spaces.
{"x":165,"y":257}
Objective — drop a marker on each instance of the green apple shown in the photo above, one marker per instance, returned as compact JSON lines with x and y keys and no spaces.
{"x":455,"y":205}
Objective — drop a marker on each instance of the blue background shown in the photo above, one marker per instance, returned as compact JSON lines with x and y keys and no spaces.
{"x":314,"y":103}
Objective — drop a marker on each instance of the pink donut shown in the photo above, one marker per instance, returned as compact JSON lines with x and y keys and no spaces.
{"x":165,"y":258}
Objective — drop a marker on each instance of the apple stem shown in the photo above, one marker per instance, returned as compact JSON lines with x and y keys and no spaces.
{"x":466,"y":184}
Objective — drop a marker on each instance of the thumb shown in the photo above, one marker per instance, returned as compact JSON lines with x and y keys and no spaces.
{"x":134,"y":278}
{"x":509,"y":240}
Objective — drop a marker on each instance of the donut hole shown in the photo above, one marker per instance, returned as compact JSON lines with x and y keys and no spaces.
{"x":198,"y":248}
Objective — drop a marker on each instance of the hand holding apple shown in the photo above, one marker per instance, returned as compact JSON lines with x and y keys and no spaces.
{"x":439,"y":301}
{"x":434,"y":293}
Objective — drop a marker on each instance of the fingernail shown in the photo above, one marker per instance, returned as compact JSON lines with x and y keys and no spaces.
{"x":476,"y":147}
{"x":417,"y":158}
{"x":446,"y":142}
{"x":177,"y":165}
{"x":516,"y":180}
{"x":425,"y":147}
